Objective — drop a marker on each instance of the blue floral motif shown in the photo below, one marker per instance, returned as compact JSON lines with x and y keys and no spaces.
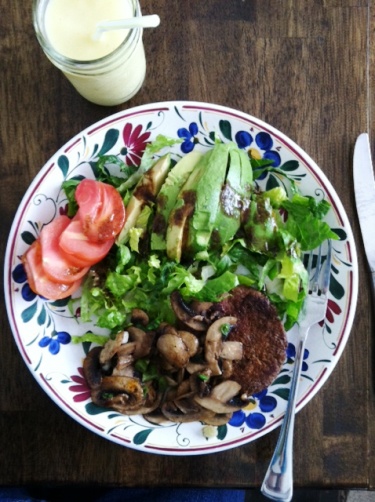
{"x":238,"y":418}
{"x":255,"y":420}
{"x":27,"y":293}
{"x":19,"y":274}
{"x":291,"y":354}
{"x":188,"y":135}
{"x":274,"y":156}
{"x":266,"y":403}
{"x":243,"y":139}
{"x":53,"y":342}
{"x":263,"y":142}
{"x":41,"y":311}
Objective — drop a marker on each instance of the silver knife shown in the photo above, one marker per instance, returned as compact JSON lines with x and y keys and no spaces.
{"x":364,"y":190}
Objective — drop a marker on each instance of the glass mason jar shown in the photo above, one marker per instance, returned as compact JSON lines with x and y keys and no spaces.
{"x":109,"y":80}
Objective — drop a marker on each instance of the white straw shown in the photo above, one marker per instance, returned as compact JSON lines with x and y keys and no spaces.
{"x":151,"y":21}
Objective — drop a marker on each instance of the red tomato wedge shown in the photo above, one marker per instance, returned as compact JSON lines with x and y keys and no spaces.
{"x":101,"y":210}
{"x":38,"y":280}
{"x":89,"y":198}
{"x":66,"y":249}
{"x":56,"y":263}
{"x":75,"y":243}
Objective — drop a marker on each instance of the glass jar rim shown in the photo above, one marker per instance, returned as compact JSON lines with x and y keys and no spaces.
{"x":78,"y":63}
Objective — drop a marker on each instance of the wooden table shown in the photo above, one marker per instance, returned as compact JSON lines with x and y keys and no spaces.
{"x":303,"y":66}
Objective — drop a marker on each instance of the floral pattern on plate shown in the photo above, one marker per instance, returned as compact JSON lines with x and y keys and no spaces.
{"x":43,"y":330}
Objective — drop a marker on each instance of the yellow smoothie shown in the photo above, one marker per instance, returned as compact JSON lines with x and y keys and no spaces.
{"x":70,"y":26}
{"x":107,"y":71}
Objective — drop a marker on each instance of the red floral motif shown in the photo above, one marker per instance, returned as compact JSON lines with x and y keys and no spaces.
{"x":135,"y":142}
{"x":63,"y":210}
{"x":82,"y":390}
{"x":332,"y":309}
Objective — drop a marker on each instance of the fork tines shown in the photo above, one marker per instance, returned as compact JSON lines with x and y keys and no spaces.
{"x":320,"y":264}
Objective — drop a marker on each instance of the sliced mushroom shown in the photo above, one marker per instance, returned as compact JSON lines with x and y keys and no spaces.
{"x":192,"y":360}
{"x":186,"y":314}
{"x":201,"y":308}
{"x":225,"y":391}
{"x":125,"y":360}
{"x":112,"y":346}
{"x":143,"y":341}
{"x":151,"y":403}
{"x":167,"y":328}
{"x":174,"y":414}
{"x":173,"y":349}
{"x":121,"y":392}
{"x":139,"y":316}
{"x":221,"y":398}
{"x":227,"y":369}
{"x":191,"y":342}
{"x":187,"y":404}
{"x":200,"y":382}
{"x":183,"y":388}
{"x":232,"y":351}
{"x":156,"y":417}
{"x":172,"y":410}
{"x":92,"y":369}
{"x":214,"y":342}
{"x":195,"y":367}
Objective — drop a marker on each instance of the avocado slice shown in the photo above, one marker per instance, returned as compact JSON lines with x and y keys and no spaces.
{"x":177,"y":228}
{"x":262,"y":225}
{"x":176,"y":231}
{"x":208,"y":192}
{"x":167,"y":197}
{"x":144,"y":193}
{"x":234,"y":198}
{"x":264,"y":221}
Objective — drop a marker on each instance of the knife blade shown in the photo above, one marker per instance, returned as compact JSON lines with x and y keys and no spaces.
{"x":364,"y":190}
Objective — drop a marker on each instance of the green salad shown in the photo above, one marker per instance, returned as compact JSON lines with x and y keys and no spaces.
{"x":200,"y":225}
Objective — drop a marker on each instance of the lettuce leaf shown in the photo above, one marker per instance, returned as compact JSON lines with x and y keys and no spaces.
{"x":305,"y":223}
{"x":266,"y":253}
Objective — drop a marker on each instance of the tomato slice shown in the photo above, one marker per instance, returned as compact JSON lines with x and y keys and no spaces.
{"x":101,"y":210}
{"x":56,"y":263}
{"x":76,"y":244}
{"x":89,"y":198}
{"x":38,"y":280}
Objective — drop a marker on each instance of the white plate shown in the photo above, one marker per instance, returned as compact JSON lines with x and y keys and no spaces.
{"x":42,"y":329}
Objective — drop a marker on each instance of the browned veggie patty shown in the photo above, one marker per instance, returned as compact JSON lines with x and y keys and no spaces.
{"x":262,"y":335}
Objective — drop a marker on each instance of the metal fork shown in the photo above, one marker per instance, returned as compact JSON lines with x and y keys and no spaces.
{"x":278,"y":481}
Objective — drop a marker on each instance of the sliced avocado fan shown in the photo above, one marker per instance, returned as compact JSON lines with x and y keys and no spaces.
{"x":167,"y":197}
{"x":144,"y":194}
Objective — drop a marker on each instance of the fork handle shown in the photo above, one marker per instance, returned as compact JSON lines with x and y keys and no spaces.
{"x":278,"y":481}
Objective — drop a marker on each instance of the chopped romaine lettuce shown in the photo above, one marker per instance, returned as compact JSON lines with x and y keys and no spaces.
{"x":90,"y":337}
{"x":265,"y":253}
{"x":305,"y":223}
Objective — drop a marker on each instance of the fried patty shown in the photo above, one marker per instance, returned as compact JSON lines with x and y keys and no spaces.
{"x":262,"y":335}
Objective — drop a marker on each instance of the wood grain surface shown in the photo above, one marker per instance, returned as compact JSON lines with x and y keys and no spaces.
{"x":304,"y":66}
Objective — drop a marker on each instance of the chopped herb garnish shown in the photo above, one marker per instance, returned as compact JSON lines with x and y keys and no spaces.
{"x":203,"y":377}
{"x":141,"y":365}
{"x":225,"y":329}
{"x":108,"y":395}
